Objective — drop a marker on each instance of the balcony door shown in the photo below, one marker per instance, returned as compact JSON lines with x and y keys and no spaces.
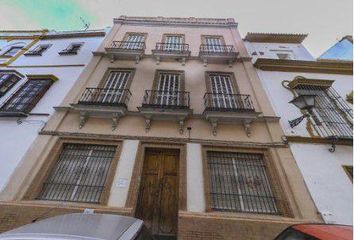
{"x":222,"y":91}
{"x":173,"y":43}
{"x":214,"y":44}
{"x":113,"y":88}
{"x":134,"y":41}
{"x":168,"y":89}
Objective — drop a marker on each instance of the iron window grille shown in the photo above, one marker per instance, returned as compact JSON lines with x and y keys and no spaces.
{"x":239,"y":183}
{"x":24,"y":100}
{"x":332,"y":115}
{"x":37,"y":51}
{"x":80,"y":173}
{"x":7,"y":81}
{"x":73,"y":49}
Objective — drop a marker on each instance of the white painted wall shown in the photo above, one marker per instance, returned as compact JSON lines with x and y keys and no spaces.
{"x":329,"y":185}
{"x":195,"y":184}
{"x":269,"y":50}
{"x":122,"y":178}
{"x":322,"y":170}
{"x":17,"y":137}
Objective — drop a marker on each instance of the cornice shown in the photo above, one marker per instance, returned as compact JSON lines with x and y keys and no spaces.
{"x":298,"y":81}
{"x":275,"y":37}
{"x":41,"y":77}
{"x":318,"y":140}
{"x":282,"y":65}
{"x":60,"y":35}
{"x":191,"y":21}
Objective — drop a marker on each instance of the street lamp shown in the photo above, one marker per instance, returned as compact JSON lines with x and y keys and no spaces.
{"x":303,"y":102}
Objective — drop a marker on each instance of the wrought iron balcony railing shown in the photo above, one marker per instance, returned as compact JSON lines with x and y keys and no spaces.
{"x":228,"y":102}
{"x":127,"y":45}
{"x":172,"y":47}
{"x":166,"y":99}
{"x":105,"y":96}
{"x":208,"y":49}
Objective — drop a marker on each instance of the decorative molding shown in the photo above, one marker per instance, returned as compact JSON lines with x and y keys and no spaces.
{"x":164,"y":139}
{"x":275,"y":37}
{"x":283,"y":65}
{"x":313,"y":140}
{"x":41,"y":77}
{"x":191,"y":21}
{"x":312,"y":82}
{"x":60,"y":35}
{"x":47,"y":66}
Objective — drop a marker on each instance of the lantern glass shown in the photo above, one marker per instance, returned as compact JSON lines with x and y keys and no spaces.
{"x":304,"y":101}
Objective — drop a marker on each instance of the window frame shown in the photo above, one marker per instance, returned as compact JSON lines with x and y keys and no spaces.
{"x":271,"y":173}
{"x":5,"y":54}
{"x":16,"y":74}
{"x":38,"y":50}
{"x":68,"y":51}
{"x":35,"y":100}
{"x":35,"y":187}
{"x":347,"y":171}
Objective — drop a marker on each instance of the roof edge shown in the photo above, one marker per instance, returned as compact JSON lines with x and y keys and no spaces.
{"x":276,"y":37}
{"x":177,"y":21}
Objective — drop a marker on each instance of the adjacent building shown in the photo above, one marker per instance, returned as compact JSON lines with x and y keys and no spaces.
{"x":37,"y":69}
{"x":168,"y":122}
{"x":342,"y":50}
{"x":320,"y":136}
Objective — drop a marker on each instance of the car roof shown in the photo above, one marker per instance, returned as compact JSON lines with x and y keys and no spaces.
{"x":326,"y":231}
{"x":79,"y":226}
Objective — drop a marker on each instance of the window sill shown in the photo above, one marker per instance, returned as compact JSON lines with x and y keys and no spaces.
{"x":13,"y":114}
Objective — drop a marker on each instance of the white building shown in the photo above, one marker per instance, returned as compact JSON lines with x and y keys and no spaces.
{"x":37,"y":69}
{"x":287,"y":70}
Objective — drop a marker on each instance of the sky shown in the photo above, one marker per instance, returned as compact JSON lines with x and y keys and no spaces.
{"x":326,"y":21}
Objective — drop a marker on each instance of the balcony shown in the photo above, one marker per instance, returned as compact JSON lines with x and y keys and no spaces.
{"x":171,"y":51}
{"x":102,"y":103}
{"x":217,"y":54}
{"x":165,"y":105}
{"x":126,"y":50}
{"x":229,"y":108}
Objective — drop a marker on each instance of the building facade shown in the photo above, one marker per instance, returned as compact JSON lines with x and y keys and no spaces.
{"x":169,"y":123}
{"x":322,"y":142}
{"x":37,"y":69}
{"x":342,"y":50}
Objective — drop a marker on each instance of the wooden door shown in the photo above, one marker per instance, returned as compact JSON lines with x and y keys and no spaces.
{"x":158,"y":196}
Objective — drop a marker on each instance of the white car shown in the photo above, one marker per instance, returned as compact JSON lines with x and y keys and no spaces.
{"x":81,"y":226}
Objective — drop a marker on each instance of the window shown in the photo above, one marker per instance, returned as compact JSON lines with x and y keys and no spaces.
{"x":332,"y":116}
{"x":222,"y":90}
{"x":168,"y":89}
{"x":173,"y":42}
{"x":7,"y":81}
{"x":79,"y":174}
{"x":114,"y":85}
{"x":27,"y":96}
{"x":72,"y":49}
{"x":349,"y":171}
{"x":239,"y":183}
{"x":283,"y":56}
{"x":37,"y":51}
{"x":214,"y":44}
{"x":12,"y":51}
{"x":134,"y":41}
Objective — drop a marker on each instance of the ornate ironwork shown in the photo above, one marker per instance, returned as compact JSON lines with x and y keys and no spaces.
{"x":166,"y":99}
{"x":228,"y":102}
{"x":105,"y":96}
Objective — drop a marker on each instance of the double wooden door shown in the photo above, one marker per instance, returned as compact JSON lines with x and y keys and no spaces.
{"x":158,"y":196}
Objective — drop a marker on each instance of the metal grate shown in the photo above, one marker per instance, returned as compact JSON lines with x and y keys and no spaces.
{"x":332,"y":116}
{"x":239,"y":183}
{"x":80,"y":173}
